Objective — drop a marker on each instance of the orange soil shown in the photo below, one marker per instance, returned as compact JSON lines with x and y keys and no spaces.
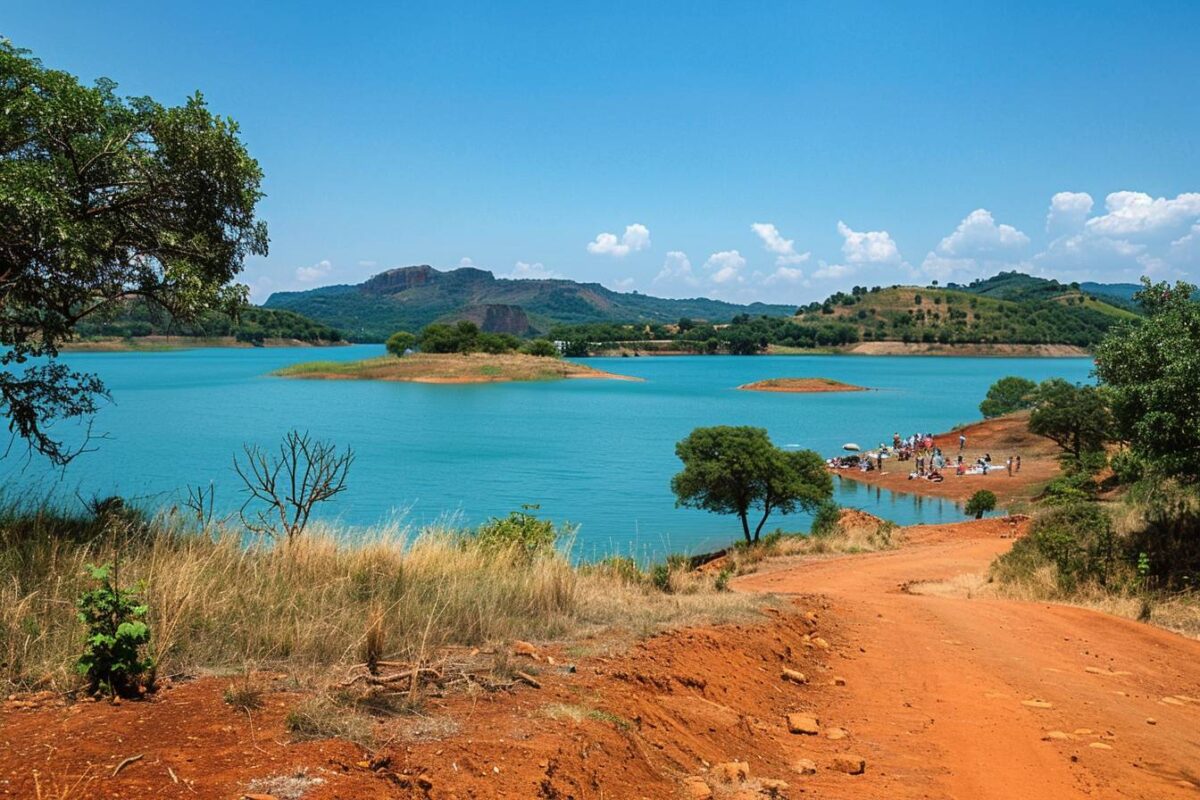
{"x":800,"y":386}
{"x":933,"y":699}
{"x":1002,"y":437}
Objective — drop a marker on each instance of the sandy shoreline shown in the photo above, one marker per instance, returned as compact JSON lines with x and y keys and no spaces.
{"x":450,"y":369}
{"x":1002,"y":438}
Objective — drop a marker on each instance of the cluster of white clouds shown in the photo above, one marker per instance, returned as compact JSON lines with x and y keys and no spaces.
{"x":635,"y":238}
{"x":1132,"y":234}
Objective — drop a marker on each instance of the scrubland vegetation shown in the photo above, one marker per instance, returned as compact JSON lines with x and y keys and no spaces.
{"x":216,"y":601}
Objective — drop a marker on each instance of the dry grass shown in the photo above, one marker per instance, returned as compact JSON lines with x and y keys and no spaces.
{"x":856,"y":532}
{"x":447,"y":368}
{"x":801,"y":385}
{"x":217,"y":603}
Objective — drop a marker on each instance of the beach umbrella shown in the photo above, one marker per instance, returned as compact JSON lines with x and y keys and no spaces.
{"x":850,"y":446}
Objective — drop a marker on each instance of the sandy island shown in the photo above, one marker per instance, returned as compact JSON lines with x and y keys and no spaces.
{"x":1002,"y":437}
{"x":801,"y":386}
{"x":449,"y":368}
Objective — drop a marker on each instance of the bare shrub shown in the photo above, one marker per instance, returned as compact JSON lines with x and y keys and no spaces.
{"x":291,"y":482}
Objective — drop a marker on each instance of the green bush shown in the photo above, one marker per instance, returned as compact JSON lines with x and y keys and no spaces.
{"x":1078,"y":539}
{"x":1073,"y":487}
{"x":541,"y":347}
{"x":112,"y":658}
{"x":399,"y":342}
{"x":825,"y":519}
{"x":980,"y":503}
{"x":1127,"y":467}
{"x":520,"y":532}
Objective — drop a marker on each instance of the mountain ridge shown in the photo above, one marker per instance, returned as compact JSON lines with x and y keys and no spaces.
{"x":409,"y":298}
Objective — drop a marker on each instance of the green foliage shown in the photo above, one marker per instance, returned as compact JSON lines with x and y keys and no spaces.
{"x":1078,"y":539}
{"x":400,"y":342}
{"x":721,"y":584}
{"x":541,"y":347}
{"x":660,"y":577}
{"x":462,"y":337}
{"x":520,"y":533}
{"x":1128,"y":467}
{"x":1071,"y":487}
{"x":1007,"y":395}
{"x":825,"y":519}
{"x":135,"y":318}
{"x":733,"y":470}
{"x":1151,"y":370}
{"x":980,"y":503}
{"x":1076,"y":418}
{"x":101,"y":199}
{"x":112,"y":659}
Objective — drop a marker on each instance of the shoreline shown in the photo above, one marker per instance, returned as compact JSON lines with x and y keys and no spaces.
{"x":152,"y":344}
{"x":880,"y":349}
{"x":1002,"y":437}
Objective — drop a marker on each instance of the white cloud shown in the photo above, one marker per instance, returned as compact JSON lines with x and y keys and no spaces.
{"x":828,"y":271}
{"x":773,"y":241}
{"x":314,"y":273}
{"x":524,"y":270}
{"x":1068,"y":212}
{"x":784,"y":275}
{"x":677,"y":268}
{"x":979,"y":237}
{"x":725,"y":266}
{"x":466,"y":261}
{"x":636,"y":237}
{"x":868,"y":247}
{"x":1137,"y":214}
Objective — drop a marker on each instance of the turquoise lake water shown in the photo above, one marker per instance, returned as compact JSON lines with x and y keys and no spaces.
{"x":596,"y":453}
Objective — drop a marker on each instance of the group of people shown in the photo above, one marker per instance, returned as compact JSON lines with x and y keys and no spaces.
{"x":931,"y":462}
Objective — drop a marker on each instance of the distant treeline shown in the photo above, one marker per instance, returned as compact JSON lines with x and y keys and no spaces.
{"x":1002,"y":310}
{"x":252,"y":324}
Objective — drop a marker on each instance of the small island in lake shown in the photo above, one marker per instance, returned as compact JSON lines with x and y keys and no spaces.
{"x":801,"y":386}
{"x":449,"y":368}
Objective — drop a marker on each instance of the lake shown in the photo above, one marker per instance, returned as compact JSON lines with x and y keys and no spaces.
{"x":597,"y":453}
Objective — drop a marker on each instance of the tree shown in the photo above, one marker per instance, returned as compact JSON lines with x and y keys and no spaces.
{"x":1007,"y":395}
{"x":541,"y":347}
{"x":400,"y":342}
{"x":103,"y":199}
{"x":734,"y":470}
{"x":462,"y":337}
{"x":291,"y":482}
{"x":1076,"y":418}
{"x":1151,"y":370}
{"x":980,"y":503}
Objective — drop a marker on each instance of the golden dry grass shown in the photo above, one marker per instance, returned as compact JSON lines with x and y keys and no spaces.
{"x":447,"y":368}
{"x":217,"y":603}
{"x":801,"y":386}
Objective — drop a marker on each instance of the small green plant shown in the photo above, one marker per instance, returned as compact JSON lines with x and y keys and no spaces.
{"x":527,"y":536}
{"x":722,"y":582}
{"x":980,"y":503}
{"x":243,"y":696}
{"x":660,"y":577}
{"x":117,"y":634}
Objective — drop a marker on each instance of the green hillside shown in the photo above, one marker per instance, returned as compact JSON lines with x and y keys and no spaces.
{"x":1010,"y":309}
{"x":136,"y":319}
{"x":410,"y":298}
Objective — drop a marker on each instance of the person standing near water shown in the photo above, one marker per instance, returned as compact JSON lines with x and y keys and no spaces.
{"x":1009,"y":465}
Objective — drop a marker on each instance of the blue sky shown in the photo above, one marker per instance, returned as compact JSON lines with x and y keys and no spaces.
{"x":748,"y":151}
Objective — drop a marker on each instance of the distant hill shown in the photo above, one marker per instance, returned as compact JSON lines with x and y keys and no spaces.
{"x":135,"y":318}
{"x":1010,"y":308}
{"x":409,"y":298}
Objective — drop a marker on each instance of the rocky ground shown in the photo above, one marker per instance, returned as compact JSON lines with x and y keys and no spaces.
{"x":865,"y":688}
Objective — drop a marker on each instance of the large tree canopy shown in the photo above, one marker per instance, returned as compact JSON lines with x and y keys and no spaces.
{"x":733,"y":470}
{"x":101,"y":199}
{"x":1076,"y":418}
{"x":1152,"y":371}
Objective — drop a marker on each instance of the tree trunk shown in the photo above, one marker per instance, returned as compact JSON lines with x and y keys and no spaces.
{"x":761,"y":522}
{"x":745,"y":527}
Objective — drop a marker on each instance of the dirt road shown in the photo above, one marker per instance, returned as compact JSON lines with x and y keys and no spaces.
{"x":974,"y":699}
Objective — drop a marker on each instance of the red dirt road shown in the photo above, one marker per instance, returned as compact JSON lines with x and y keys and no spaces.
{"x":954,"y":698}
